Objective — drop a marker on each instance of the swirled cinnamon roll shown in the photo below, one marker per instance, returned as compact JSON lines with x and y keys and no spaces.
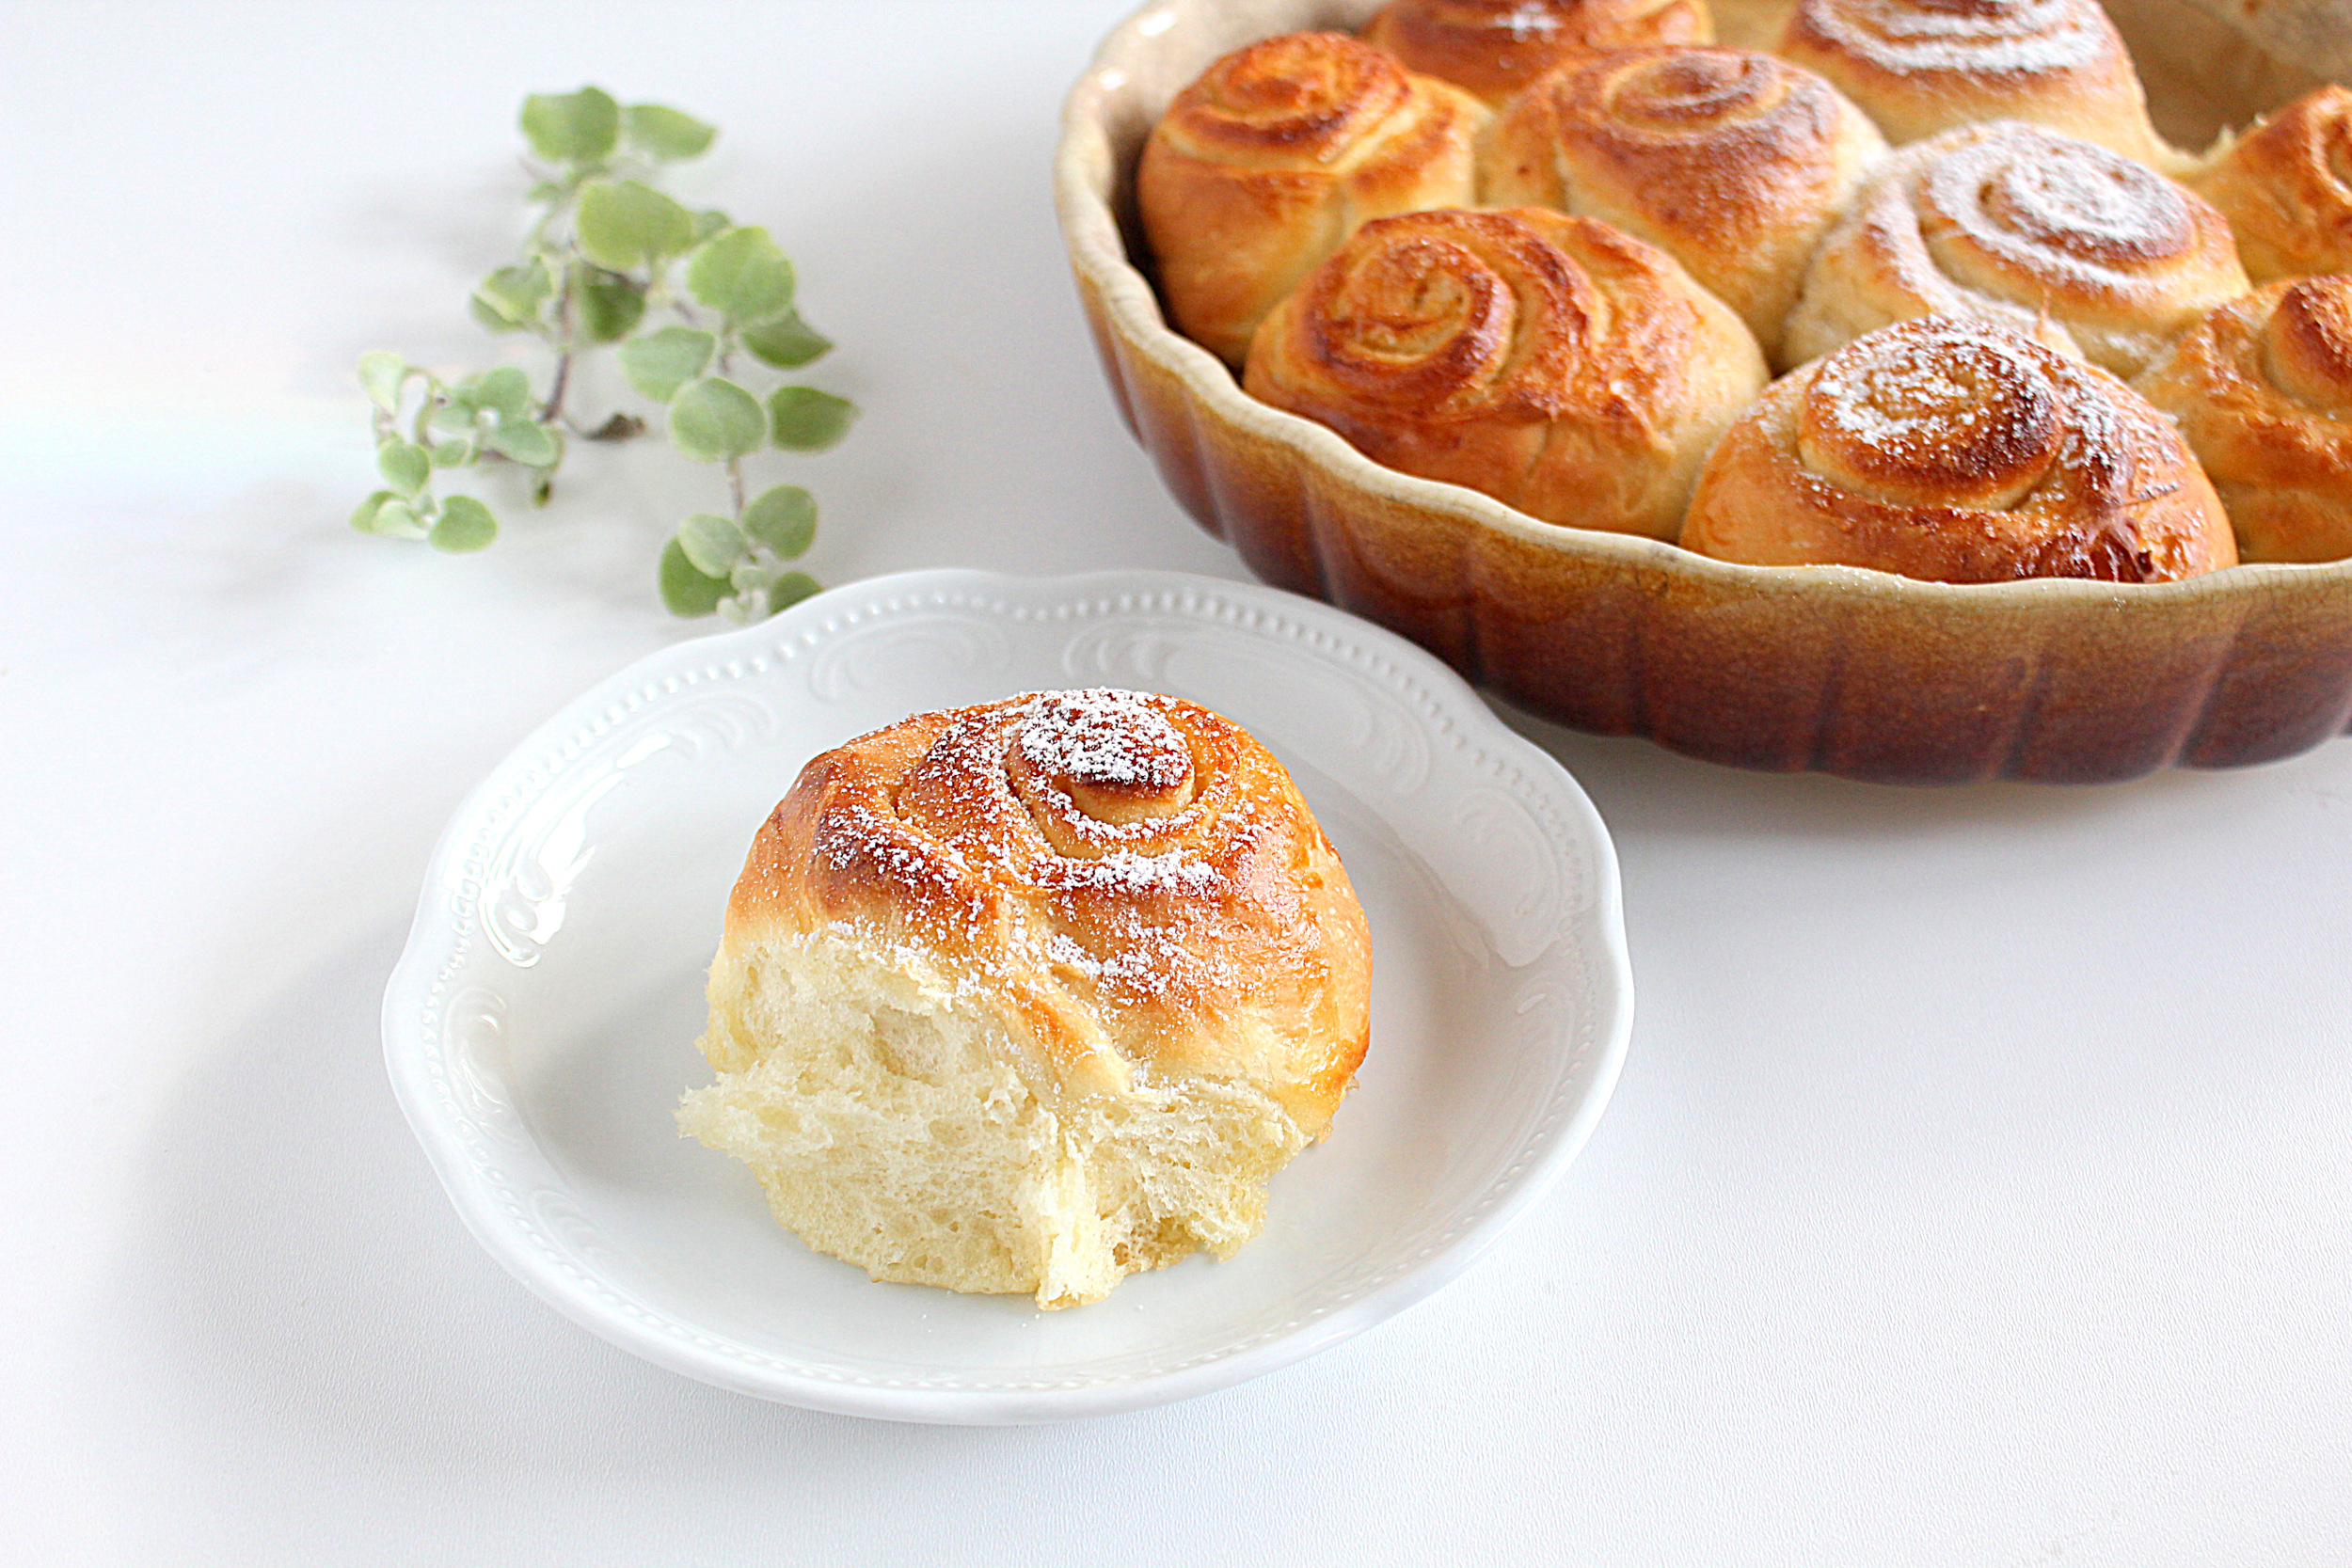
{"x":1551,"y":362}
{"x":1918,"y":67}
{"x":1032,"y":996}
{"x":1496,"y":47}
{"x":1733,"y":163}
{"x":2286,"y":189}
{"x":1959,"y":451}
{"x":2263,"y":391}
{"x":2053,"y":236}
{"x":1259,"y":169}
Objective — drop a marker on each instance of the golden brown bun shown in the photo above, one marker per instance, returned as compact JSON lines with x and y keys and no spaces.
{"x":1261,"y":169}
{"x":1958,"y":450}
{"x":1918,"y":67}
{"x":2074,"y":244}
{"x":1735,"y":164}
{"x":1496,"y":47}
{"x":1550,"y":361}
{"x":1031,"y":995}
{"x":2286,"y":189}
{"x":2263,"y":389}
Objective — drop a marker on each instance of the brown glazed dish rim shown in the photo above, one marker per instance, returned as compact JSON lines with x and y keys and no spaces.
{"x":1086,"y":176}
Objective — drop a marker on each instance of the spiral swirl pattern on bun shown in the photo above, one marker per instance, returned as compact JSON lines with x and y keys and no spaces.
{"x":1259,"y":169}
{"x":1733,"y":163}
{"x":1552,"y":362}
{"x":1958,"y":450}
{"x":1032,"y":995}
{"x":2286,"y":189}
{"x":2263,"y":391}
{"x":1496,"y":47}
{"x":2053,"y":236}
{"x":1918,"y":67}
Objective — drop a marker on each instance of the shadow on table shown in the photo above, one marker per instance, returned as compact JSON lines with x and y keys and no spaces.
{"x":301,"y":1295}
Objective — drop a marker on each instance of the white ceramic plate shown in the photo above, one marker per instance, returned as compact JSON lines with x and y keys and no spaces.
{"x":540,"y":1027}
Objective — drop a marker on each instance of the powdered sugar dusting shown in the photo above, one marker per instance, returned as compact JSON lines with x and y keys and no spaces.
{"x":1105,"y":737}
{"x":1978,"y":37}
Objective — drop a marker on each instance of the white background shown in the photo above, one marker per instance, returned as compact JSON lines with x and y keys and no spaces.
{"x":1979,"y":1187}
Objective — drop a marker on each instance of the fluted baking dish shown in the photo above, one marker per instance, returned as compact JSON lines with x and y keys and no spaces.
{"x":1846,"y":671}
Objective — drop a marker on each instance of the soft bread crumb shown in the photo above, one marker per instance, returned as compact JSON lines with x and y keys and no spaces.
{"x":882,"y":1110}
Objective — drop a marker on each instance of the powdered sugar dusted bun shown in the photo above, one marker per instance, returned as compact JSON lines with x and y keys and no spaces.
{"x":1496,"y":47}
{"x":1733,"y":163}
{"x":2263,"y":391}
{"x":1033,"y":995}
{"x":1259,"y":169}
{"x":1959,"y":451}
{"x":1549,"y":362}
{"x":2286,"y":189}
{"x":1918,"y":67}
{"x":2053,"y":236}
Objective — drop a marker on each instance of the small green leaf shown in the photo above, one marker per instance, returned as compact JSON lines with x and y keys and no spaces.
{"x":490,"y":317}
{"x":452,"y":454}
{"x":807,"y":419}
{"x":713,"y":420}
{"x":783,"y":519}
{"x":608,"y":306}
{"x":664,"y":133}
{"x":455,"y":416}
{"x":363,"y":515}
{"x":624,"y":224}
{"x":787,"y":342}
{"x":790,"y":589}
{"x":525,"y":441}
{"x":405,"y":465}
{"x":685,"y":590}
{"x":742,"y":273}
{"x":506,"y":390}
{"x":515,"y":294}
{"x":712,"y":543}
{"x":710,"y":221}
{"x":659,"y":364}
{"x":750,"y":577}
{"x":398,"y":519}
{"x":381,"y":376}
{"x":572,"y":127}
{"x":466,"y":525}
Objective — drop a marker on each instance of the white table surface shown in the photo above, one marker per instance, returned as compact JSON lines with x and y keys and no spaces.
{"x":1980,"y":1187}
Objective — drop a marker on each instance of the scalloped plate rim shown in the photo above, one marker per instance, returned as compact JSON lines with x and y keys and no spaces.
{"x":409,"y":989}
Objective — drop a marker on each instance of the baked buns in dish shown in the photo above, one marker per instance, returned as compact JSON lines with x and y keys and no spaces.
{"x":1733,"y":163}
{"x":1550,"y":361}
{"x":1918,"y":67}
{"x":1259,"y":169}
{"x":2263,"y":391}
{"x":2286,"y":189}
{"x":2052,"y":235}
{"x":1031,"y":996}
{"x":1958,"y":450}
{"x":1496,"y":47}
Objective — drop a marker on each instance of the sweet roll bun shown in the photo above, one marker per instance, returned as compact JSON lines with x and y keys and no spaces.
{"x":1918,"y":67}
{"x":2263,"y":391}
{"x":1549,"y":362}
{"x":2070,"y":242}
{"x":1733,"y":163}
{"x":1028,"y":997}
{"x":1259,"y":169}
{"x":2286,"y":189}
{"x":1958,"y":450}
{"x":1496,"y":47}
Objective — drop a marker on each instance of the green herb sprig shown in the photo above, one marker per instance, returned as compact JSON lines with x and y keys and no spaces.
{"x":687,"y":299}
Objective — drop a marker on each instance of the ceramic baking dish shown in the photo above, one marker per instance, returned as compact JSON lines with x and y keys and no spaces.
{"x":1851,"y":671}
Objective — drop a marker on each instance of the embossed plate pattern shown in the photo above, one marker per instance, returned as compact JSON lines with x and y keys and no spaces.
{"x":540,"y":1026}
